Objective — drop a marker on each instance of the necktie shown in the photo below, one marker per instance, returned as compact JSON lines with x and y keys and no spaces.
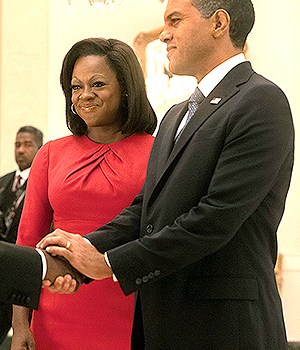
{"x":8,"y":217}
{"x":194,"y":101}
{"x":18,"y":183}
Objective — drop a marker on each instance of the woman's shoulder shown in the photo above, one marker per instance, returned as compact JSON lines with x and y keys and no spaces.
{"x":65,"y":141}
{"x":132,"y":146}
{"x":59,"y":147}
{"x":139,"y":140}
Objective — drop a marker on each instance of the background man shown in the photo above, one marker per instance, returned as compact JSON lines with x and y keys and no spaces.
{"x":198,"y":245}
{"x":12,"y":192}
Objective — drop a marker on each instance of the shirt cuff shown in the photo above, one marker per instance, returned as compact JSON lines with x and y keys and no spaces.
{"x":44,"y":263}
{"x":106,"y":260}
{"x":108,"y":264}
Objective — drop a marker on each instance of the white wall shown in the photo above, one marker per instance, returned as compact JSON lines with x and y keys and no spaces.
{"x":35,"y":38}
{"x":23,"y":71}
{"x":275,"y":52}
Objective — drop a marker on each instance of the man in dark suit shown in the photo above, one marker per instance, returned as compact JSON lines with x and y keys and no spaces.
{"x":22,"y":271}
{"x":12,"y":193}
{"x":198,"y":245}
{"x":13,"y":185}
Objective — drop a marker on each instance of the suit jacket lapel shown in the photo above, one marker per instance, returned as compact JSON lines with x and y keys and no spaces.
{"x":168,"y":129}
{"x":227,"y":88}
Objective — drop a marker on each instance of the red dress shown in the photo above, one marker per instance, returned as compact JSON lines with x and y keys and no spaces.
{"x":81,"y":185}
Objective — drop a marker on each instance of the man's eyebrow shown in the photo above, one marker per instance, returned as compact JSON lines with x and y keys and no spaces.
{"x":175,"y":13}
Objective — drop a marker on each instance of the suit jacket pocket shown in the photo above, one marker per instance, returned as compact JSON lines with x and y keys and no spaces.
{"x":207,"y":287}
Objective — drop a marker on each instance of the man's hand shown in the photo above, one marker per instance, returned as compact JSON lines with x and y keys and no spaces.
{"x":61,"y":277}
{"x":82,"y":255}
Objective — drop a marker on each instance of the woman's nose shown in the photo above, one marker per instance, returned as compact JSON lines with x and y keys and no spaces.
{"x":86,"y":93}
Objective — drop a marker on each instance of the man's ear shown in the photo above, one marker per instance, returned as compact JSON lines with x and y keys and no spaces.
{"x":221,"y":21}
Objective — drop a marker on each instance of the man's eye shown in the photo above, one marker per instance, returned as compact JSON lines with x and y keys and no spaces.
{"x":175,"y":20}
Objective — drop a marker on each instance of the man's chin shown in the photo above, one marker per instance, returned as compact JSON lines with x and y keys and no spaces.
{"x":23,"y":166}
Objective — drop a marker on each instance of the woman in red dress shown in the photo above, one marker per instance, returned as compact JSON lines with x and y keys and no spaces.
{"x":82,"y":181}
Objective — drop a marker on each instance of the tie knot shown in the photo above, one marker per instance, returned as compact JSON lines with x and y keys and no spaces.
{"x":196,"y":97}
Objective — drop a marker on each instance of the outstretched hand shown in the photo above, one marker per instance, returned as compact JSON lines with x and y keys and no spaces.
{"x":61,"y":277}
{"x":81,"y":254}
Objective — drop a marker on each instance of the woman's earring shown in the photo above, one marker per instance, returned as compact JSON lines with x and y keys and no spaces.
{"x":73,"y":109}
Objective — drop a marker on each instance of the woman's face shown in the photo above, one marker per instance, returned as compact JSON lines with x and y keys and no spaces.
{"x":96,"y":93}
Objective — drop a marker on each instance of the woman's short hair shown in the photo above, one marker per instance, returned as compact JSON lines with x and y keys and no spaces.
{"x":137,"y":114}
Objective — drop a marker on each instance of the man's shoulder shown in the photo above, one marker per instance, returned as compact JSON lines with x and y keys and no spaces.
{"x":7,"y":177}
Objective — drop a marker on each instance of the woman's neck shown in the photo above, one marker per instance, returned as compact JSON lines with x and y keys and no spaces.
{"x":102,"y":135}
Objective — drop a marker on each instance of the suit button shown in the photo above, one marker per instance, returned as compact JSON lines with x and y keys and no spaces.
{"x":156,"y":272}
{"x":145,"y":279}
{"x":27,"y":300}
{"x":151,"y":275}
{"x":138,"y":281}
{"x":13,"y":297}
{"x":149,"y":228}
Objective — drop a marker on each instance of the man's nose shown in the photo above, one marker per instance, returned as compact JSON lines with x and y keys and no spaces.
{"x":165,"y":36}
{"x":20,"y":149}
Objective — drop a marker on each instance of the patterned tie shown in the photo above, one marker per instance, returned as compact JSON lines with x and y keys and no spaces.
{"x":194,"y":101}
{"x":18,"y":183}
{"x":7,"y":218}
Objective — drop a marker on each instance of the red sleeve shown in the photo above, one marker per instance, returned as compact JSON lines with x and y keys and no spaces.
{"x":37,"y":213}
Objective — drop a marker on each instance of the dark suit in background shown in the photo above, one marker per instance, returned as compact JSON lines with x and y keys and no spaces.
{"x":7,"y":198}
{"x":28,"y":141}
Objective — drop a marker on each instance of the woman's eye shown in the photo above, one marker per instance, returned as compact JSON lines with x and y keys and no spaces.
{"x":75,"y":87}
{"x":98,"y":84}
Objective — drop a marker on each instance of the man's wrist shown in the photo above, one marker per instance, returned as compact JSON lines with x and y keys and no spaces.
{"x":106,"y":258}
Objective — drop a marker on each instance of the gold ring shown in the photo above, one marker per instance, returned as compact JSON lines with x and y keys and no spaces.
{"x":68,"y":245}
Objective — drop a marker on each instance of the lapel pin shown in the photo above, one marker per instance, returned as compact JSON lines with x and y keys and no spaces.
{"x":215,"y":100}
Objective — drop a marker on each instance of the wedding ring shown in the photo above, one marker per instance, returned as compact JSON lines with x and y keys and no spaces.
{"x":68,"y":245}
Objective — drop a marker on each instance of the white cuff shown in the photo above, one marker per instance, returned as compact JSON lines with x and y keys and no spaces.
{"x":108,"y":263}
{"x":44,"y":263}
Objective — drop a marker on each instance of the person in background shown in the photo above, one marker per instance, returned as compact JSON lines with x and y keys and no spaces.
{"x":12,"y":193}
{"x":199,"y":244}
{"x":82,"y":181}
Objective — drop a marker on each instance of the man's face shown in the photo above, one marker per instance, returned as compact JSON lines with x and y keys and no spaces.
{"x":189,"y":39}
{"x":25,"y":149}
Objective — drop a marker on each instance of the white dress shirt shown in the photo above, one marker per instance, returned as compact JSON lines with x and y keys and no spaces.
{"x":212,"y":79}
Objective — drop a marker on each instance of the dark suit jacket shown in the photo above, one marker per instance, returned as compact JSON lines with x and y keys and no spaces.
{"x":7,"y":197}
{"x":6,"y":200}
{"x":20,"y":275}
{"x":199,"y":242}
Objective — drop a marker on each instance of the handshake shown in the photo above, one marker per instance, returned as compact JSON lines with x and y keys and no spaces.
{"x":71,"y":254}
{"x":59,"y":266}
